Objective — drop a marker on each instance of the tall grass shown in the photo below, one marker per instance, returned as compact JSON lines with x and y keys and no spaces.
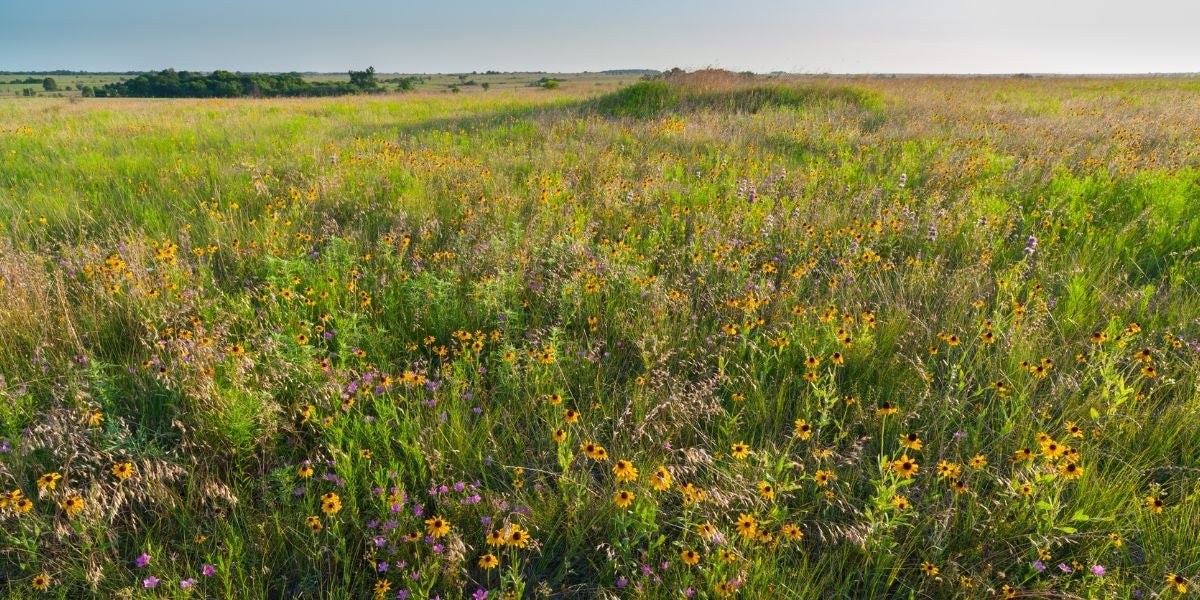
{"x":308,"y":329}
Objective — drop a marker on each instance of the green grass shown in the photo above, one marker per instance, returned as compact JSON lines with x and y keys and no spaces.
{"x":405,"y":292}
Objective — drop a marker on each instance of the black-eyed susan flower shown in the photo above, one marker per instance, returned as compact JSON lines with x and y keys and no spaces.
{"x":72,"y":505}
{"x":48,"y":481}
{"x":559,"y":435}
{"x":570,"y":416}
{"x":905,"y":467}
{"x":740,"y":450}
{"x":1177,"y":581}
{"x":900,"y":502}
{"x":516,"y":537}
{"x":1155,"y":504}
{"x":437,"y":527}
{"x":496,"y":537}
{"x":978,"y":461}
{"x":690,"y":557}
{"x":1071,"y":470}
{"x":314,"y":523}
{"x":304,"y":472}
{"x":625,"y":471}
{"x":623,"y":498}
{"x":41,"y":582}
{"x":747,"y":526}
{"x":802,"y":430}
{"x":123,"y":470}
{"x":912,"y":441}
{"x":766,"y":490}
{"x":382,"y":587}
{"x":661,"y":479}
{"x":488,"y":561}
{"x":331,"y":504}
{"x":887,"y":408}
{"x":823,"y":477}
{"x":791,"y":532}
{"x":929,"y":568}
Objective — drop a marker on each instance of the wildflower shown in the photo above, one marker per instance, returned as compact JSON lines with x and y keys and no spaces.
{"x":740,"y":450}
{"x":1177,"y":581}
{"x":331,"y":504}
{"x":305,"y":472}
{"x":314,"y":523}
{"x":1115,"y":540}
{"x":188,"y":583}
{"x":517,"y":537}
{"x":72,"y":505}
{"x":41,"y":582}
{"x":803,"y":429}
{"x":1039,"y":566}
{"x":823,"y":477}
{"x":594,"y":451}
{"x":1098,"y":570}
{"x":437,"y":526}
{"x":623,"y":498}
{"x":690,"y":557}
{"x":792,"y":532}
{"x":1074,"y":429}
{"x":747,"y":526}
{"x":911,"y":441}
{"x":48,"y":481}
{"x":1155,"y":503}
{"x":978,"y":461}
{"x":488,"y":561}
{"x":495,"y":537}
{"x":1071,"y":470}
{"x":886,"y":409}
{"x":570,"y":416}
{"x":900,"y":502}
{"x":661,"y":480}
{"x":142,"y":561}
{"x":123,"y":471}
{"x":1022,"y":455}
{"x":625,"y":471}
{"x":382,"y":587}
{"x":559,"y":435}
{"x":905,"y":466}
{"x":150,"y":582}
{"x":766,"y":490}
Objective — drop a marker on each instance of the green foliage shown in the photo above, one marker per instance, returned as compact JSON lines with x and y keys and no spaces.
{"x":223,"y":84}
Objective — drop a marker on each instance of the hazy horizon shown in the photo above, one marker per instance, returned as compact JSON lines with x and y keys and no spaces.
{"x":806,"y":36}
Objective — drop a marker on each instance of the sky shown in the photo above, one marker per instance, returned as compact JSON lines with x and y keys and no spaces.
{"x":456,"y":36}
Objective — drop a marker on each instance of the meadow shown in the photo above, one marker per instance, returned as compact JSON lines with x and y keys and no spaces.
{"x":708,"y":336}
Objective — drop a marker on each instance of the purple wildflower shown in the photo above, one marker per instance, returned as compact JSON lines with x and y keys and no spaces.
{"x":150,"y":582}
{"x":142,"y":561}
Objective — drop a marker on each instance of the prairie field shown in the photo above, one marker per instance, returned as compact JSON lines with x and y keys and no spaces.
{"x":702,"y":336}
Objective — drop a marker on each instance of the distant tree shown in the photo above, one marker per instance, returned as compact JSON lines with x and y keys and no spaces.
{"x":28,"y":92}
{"x":407,"y":84}
{"x":551,"y":84}
{"x":49,"y":84}
{"x":364,"y":80}
{"x":486,"y":86}
{"x":87,"y":91}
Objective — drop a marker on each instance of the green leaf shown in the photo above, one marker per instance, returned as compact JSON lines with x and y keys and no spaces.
{"x":1095,"y":413}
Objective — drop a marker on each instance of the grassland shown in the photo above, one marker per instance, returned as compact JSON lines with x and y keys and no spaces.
{"x":824,"y":337}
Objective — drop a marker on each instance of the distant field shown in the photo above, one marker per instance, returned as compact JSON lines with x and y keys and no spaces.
{"x":708,"y":336}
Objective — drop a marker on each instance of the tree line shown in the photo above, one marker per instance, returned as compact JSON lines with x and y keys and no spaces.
{"x":170,"y":83}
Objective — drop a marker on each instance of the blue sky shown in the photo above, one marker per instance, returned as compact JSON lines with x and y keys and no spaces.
{"x":813,"y":36}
